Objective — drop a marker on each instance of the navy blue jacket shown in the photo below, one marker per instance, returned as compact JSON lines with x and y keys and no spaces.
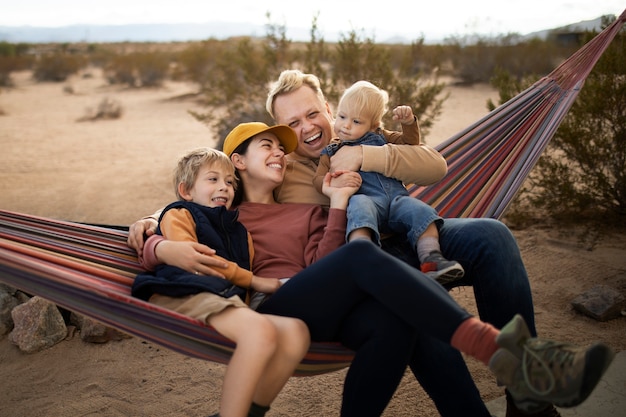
{"x":217,"y":228}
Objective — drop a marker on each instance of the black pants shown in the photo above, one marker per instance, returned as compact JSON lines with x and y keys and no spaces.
{"x":375,"y":304}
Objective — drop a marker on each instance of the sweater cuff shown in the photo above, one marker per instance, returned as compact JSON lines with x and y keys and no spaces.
{"x":149,"y":259}
{"x":374,"y":158}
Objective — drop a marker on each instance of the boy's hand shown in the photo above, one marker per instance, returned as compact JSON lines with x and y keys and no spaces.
{"x":265,"y":285}
{"x":404,"y":115}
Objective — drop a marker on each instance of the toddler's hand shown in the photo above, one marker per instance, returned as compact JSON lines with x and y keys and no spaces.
{"x":403,"y":114}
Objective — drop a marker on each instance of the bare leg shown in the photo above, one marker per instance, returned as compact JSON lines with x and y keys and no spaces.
{"x":257,"y":339}
{"x":293,"y":344}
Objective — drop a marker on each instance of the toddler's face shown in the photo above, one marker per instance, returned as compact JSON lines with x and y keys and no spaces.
{"x":351,"y":126}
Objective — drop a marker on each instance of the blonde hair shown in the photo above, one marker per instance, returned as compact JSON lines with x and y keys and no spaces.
{"x":291,"y":80}
{"x":365,"y":97}
{"x":189,"y":165}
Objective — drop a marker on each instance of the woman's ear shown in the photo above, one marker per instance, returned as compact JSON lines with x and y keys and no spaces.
{"x":183,"y":192}
{"x":238,"y":161}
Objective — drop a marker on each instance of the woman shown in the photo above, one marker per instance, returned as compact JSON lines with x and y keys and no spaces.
{"x":326,"y":289}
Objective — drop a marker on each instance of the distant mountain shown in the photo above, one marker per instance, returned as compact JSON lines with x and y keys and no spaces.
{"x":138,"y":32}
{"x":199,"y":31}
{"x":585,"y":25}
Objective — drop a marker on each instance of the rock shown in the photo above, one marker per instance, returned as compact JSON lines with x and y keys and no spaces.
{"x":93,"y":331}
{"x":38,"y":325}
{"x":601,"y":302}
{"x":7,"y":303}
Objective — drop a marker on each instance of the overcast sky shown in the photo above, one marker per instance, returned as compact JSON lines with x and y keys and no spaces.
{"x":408,"y":18}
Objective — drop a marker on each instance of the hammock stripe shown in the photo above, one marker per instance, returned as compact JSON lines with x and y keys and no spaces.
{"x":489,"y":161}
{"x":89,"y":269}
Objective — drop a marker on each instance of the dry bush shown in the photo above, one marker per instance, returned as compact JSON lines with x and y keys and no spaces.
{"x":108,"y":109}
{"x":57,"y":66}
{"x":139,"y":69}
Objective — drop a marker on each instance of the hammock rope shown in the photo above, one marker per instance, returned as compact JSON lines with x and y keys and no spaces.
{"x":89,"y":269}
{"x":489,"y":160}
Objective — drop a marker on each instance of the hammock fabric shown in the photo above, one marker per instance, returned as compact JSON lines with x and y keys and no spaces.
{"x":489,"y":161}
{"x":89,"y":269}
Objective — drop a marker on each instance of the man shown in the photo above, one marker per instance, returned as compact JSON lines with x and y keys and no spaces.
{"x":485,"y":247}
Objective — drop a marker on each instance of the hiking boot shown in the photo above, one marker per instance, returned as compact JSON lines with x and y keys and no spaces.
{"x":513,"y":411}
{"x":538,"y":373}
{"x":440,"y":269}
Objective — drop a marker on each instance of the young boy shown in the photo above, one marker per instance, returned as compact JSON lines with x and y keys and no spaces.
{"x":268,"y":347}
{"x":383,"y":204}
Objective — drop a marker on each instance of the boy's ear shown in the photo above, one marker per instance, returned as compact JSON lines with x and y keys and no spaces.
{"x":184,"y":193}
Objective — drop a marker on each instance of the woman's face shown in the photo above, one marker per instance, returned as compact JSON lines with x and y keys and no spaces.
{"x":263,"y":161}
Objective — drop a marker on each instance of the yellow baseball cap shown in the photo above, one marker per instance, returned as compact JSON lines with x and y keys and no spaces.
{"x":244,"y":131}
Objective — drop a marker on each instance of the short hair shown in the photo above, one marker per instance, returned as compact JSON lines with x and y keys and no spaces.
{"x":291,"y":80}
{"x":365,"y":97}
{"x":189,"y":165}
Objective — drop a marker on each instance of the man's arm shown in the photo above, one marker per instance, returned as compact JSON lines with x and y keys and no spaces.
{"x":411,"y":164}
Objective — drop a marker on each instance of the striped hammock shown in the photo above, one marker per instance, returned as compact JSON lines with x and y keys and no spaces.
{"x":489,"y":160}
{"x":89,"y":269}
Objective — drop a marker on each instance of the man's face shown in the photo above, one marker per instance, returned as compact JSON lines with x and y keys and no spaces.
{"x":308,"y":116}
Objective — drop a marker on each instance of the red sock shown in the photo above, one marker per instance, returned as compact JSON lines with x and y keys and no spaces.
{"x":476,"y":338}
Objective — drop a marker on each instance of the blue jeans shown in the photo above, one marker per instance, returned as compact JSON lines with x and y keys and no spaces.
{"x":493,"y":267}
{"x":401,"y":214}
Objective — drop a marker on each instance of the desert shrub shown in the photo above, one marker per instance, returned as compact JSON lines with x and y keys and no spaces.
{"x":473,"y":57}
{"x":198,"y":61}
{"x":107,"y":109}
{"x":13,"y":57}
{"x":57,"y":66}
{"x":235,"y":88}
{"x":8,"y":64}
{"x":582,"y":173}
{"x":509,"y":85}
{"x":138,"y":69}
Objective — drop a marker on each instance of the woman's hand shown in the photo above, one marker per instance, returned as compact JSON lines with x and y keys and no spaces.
{"x":190,"y":256}
{"x":265,"y":285}
{"x":340,"y":186}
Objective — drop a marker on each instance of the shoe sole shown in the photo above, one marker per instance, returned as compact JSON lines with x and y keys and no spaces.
{"x":597,"y":361}
{"x":446,"y":275}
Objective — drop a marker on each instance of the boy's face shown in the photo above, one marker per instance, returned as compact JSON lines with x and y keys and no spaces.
{"x":351,"y":126}
{"x":214,"y":187}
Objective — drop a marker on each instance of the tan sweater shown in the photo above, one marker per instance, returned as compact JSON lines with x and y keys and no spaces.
{"x":410,"y":136}
{"x":419,"y":164}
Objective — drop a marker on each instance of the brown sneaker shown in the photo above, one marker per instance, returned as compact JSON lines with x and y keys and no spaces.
{"x":513,"y":411}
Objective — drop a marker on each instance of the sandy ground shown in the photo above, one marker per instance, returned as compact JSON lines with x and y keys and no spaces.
{"x":114,"y":171}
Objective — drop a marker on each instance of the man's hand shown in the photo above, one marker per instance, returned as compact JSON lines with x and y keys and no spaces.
{"x":347,"y":158}
{"x":137,"y":231}
{"x":404,"y":114}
